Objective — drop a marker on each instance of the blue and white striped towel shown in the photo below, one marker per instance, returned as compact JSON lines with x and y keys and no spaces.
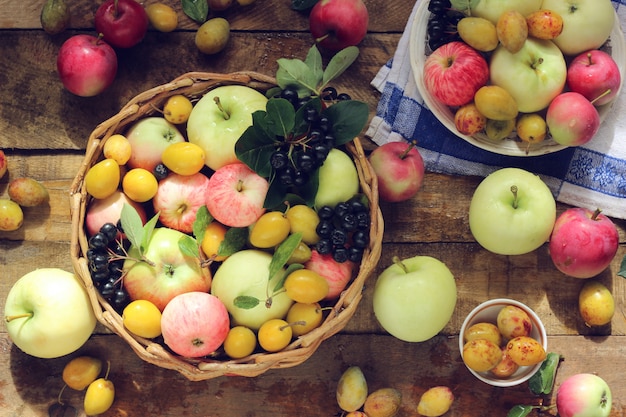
{"x":591,"y":176}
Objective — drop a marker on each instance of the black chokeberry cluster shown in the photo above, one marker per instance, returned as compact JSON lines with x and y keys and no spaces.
{"x":344,"y":230}
{"x":296,"y":158}
{"x":105,"y":257}
{"x":442,"y":23}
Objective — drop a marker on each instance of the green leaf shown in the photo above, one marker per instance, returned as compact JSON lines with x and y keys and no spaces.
{"x":339,"y":63}
{"x":197,"y":10}
{"x":203,"y":218}
{"x":246,"y":302}
{"x":302,"y":5}
{"x":294,"y":72}
{"x":275,"y":194}
{"x":464,"y":6}
{"x":520,"y":411}
{"x":234,"y":240}
{"x":622,"y":268}
{"x":188,"y":246}
{"x":132,"y":226}
{"x":280,"y":117}
{"x":348,"y":119}
{"x":314,"y":61}
{"x":542,"y":381}
{"x":148,"y":228}
{"x":283,"y":252}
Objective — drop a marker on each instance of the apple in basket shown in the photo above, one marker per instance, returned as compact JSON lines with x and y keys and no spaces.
{"x":493,"y":9}
{"x":595,"y":75}
{"x":148,"y":138}
{"x":330,"y":192}
{"x":572,"y":119}
{"x":512,"y":212}
{"x":48,"y":313}
{"x":587,"y":24}
{"x":162,"y":271}
{"x":219,"y":118}
{"x":337,"y":24}
{"x":399,"y":168}
{"x":109,"y":210}
{"x":454,"y":72}
{"x":122,"y":23}
{"x":583,"y":242}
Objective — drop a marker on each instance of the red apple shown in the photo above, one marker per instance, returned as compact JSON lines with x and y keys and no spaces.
{"x":337,"y":274}
{"x":3,"y":163}
{"x":584,"y":395}
{"x":164,"y":271}
{"x":572,"y":119}
{"x":337,"y":24}
{"x":399,"y":168}
{"x":592,"y":74}
{"x":86,"y":65}
{"x":178,"y":199}
{"x":583,"y":242}
{"x":454,"y":72}
{"x":236,"y":194}
{"x":108,"y":210}
{"x":122,"y":23}
{"x":195,"y":324}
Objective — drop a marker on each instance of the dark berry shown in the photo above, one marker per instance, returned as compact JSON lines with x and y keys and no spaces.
{"x":311,"y":115}
{"x":109,"y":288}
{"x":305,"y":162}
{"x":349,"y":222}
{"x":340,"y":255}
{"x":300,"y":178}
{"x":100,"y":277}
{"x":325,"y":212}
{"x":120,"y":299}
{"x":279,"y":160}
{"x":110,"y":231}
{"x":343,"y":96}
{"x":324,"y":228}
{"x":338,"y":237}
{"x":321,"y":151}
{"x":360,"y":239}
{"x":99,"y":241}
{"x":290,"y":94}
{"x":342,"y":209}
{"x":323,"y":124}
{"x":355,"y":254}
{"x":363,"y":220}
{"x":329,"y":93}
{"x":161,"y":172}
{"x":286,"y":176}
{"x":324,"y":246}
{"x":357,"y":205}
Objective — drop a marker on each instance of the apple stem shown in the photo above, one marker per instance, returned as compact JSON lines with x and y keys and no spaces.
{"x":535,"y":64}
{"x":321,"y":38}
{"x":404,"y":154}
{"x":115,"y":9}
{"x":514,"y":191}
{"x":17,"y":316}
{"x":59,"y":398}
{"x":396,"y":260}
{"x":606,"y":92}
{"x":595,"y":214}
{"x":219,"y":106}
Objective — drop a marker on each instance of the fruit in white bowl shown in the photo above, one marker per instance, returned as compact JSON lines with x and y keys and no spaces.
{"x":48,"y":313}
{"x":587,"y":24}
{"x":148,"y":139}
{"x":512,"y":212}
{"x":493,"y":9}
{"x":572,"y":119}
{"x":399,"y":168}
{"x":595,"y":75}
{"x":454,"y":72}
{"x":534,"y":75}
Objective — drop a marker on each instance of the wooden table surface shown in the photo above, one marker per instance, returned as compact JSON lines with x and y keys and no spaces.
{"x":44,"y":131}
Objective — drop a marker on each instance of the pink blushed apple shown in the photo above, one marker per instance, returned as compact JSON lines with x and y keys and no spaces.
{"x":583,"y":242}
{"x":454,"y":72}
{"x":178,"y":199}
{"x":337,"y":24}
{"x":108,"y":210}
{"x":399,"y":168}
{"x":148,"y":138}
{"x":572,"y":119}
{"x":195,"y":324}
{"x":584,"y":395}
{"x":337,"y":274}
{"x":236,"y":194}
{"x":595,"y":75}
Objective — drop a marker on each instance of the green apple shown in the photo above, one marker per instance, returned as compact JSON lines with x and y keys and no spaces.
{"x":246,"y":273}
{"x":533,"y":76}
{"x":164,"y":271}
{"x":587,"y":24}
{"x":148,"y":139}
{"x":219,"y":118}
{"x":48,"y":313}
{"x":512,"y":212}
{"x":338,"y":179}
{"x":414,"y":298}
{"x":492,"y":9}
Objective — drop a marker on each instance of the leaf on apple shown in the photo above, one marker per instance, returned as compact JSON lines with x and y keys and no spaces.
{"x":234,"y":240}
{"x":283,"y":252}
{"x":622,"y":268}
{"x":197,"y":10}
{"x":137,"y":233}
{"x":203,"y":218}
{"x":188,"y":246}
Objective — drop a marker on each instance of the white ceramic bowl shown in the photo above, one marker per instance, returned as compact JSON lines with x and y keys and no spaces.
{"x":511,"y":146}
{"x":487,"y":312}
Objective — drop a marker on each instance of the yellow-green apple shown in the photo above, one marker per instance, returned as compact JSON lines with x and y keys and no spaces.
{"x":414,"y":298}
{"x":109,"y":210}
{"x":399,"y":168}
{"x":178,"y":199}
{"x":48,"y":313}
{"x":246,"y":274}
{"x":330,"y":191}
{"x":122,"y":23}
{"x":583,"y":242}
{"x":86,"y":65}
{"x":587,"y":24}
{"x":162,"y":271}
{"x":595,"y":75}
{"x":194,"y":324}
{"x":235,"y":195}
{"x":337,"y":274}
{"x":3,"y":163}
{"x":512,"y":212}
{"x":219,"y":118}
{"x":572,"y":120}
{"x":493,"y":9}
{"x":533,"y":76}
{"x":584,"y":395}
{"x":454,"y":72}
{"x":337,"y":24}
{"x":148,"y":139}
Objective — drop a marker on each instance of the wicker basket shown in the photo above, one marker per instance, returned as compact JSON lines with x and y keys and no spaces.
{"x":194,"y":85}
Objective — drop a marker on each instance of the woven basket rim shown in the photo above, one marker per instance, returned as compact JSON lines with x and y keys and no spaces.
{"x":195,"y":84}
